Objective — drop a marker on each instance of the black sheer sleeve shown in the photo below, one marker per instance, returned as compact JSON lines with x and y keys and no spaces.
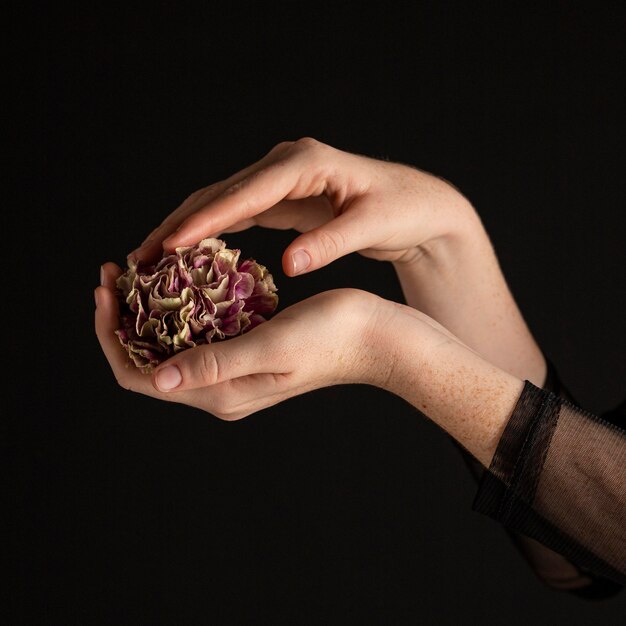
{"x":556,"y":482}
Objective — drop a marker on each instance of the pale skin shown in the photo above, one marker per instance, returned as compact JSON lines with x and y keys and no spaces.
{"x":465,"y":371}
{"x":336,"y":337}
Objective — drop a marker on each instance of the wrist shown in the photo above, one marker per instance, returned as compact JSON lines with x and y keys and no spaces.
{"x":465,"y":395}
{"x":394,"y":335}
{"x":366,"y":343}
{"x":460,"y":236}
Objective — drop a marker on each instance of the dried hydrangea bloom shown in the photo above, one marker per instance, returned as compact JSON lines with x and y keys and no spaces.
{"x":197,"y":295}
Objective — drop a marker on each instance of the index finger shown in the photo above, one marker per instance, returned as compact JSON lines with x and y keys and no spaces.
{"x":301,"y":171}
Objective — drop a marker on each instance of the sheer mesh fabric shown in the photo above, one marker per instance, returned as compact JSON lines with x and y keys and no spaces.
{"x":557,"y":483}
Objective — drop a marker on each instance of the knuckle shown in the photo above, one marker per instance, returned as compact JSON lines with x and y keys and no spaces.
{"x":232,"y":415}
{"x":229,"y":406}
{"x":225,"y":409}
{"x":281,"y":147}
{"x":308,"y":143}
{"x":209,"y":366}
{"x":248,"y":206}
{"x":122,"y":381}
{"x":220,"y":406}
{"x":221,"y":409}
{"x":209,"y":191}
{"x":238,"y":186}
{"x":166,"y":224}
{"x":225,"y":416}
{"x":196,"y":194}
{"x":330,"y":243}
{"x":319,"y":158}
{"x":189,"y":200}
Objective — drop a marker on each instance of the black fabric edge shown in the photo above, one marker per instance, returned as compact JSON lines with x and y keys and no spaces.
{"x":516,"y":432}
{"x":523,"y":481}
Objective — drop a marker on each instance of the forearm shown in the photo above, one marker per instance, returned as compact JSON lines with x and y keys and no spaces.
{"x":468,"y":397}
{"x":470,"y":275}
{"x":457,"y":281}
{"x":554,"y":470}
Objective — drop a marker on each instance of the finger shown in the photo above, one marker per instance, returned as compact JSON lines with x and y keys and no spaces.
{"x":290,"y":175}
{"x":326,"y":243}
{"x":151,"y":248}
{"x":300,"y":215}
{"x":107,"y":322}
{"x":207,"y":365}
{"x":109,"y":274}
{"x":237,"y":398}
{"x":243,"y":396}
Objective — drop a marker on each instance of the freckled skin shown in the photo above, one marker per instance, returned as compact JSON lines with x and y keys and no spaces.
{"x":455,"y":387}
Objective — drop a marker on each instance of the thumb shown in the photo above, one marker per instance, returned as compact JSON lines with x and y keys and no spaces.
{"x":323,"y":245}
{"x":214,"y":363}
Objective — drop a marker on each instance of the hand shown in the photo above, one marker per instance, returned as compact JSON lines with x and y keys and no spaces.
{"x":325,"y":340}
{"x":336,"y":337}
{"x":342,"y":203}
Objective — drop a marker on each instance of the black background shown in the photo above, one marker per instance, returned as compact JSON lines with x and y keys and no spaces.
{"x":344,"y":506}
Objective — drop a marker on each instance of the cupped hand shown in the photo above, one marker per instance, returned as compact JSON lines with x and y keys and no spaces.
{"x":325,"y":340}
{"x":341,"y":202}
{"x":336,"y":337}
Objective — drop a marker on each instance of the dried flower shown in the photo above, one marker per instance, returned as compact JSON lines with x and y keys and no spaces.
{"x":195,"y":296}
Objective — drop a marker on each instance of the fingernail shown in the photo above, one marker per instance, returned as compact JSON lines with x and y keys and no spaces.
{"x":301,"y":260}
{"x":168,"y":378}
{"x":95,"y":295}
{"x":102,"y":275}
